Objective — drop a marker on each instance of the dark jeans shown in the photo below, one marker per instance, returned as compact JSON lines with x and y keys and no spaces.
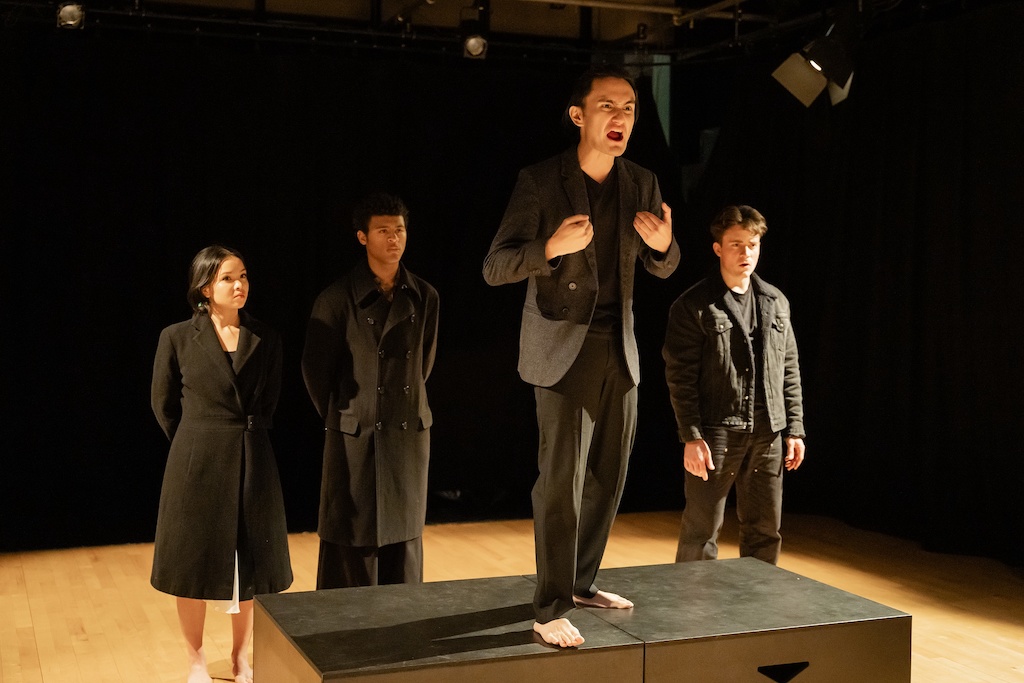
{"x":343,"y":566}
{"x":753,"y":462}
{"x":587,"y":427}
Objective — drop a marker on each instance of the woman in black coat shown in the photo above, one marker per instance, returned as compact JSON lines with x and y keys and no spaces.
{"x":221,"y":532}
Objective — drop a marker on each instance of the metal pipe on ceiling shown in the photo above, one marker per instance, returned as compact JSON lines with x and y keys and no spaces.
{"x":679,"y":15}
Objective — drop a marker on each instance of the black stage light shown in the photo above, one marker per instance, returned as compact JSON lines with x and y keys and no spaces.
{"x":824,"y":62}
{"x":474,"y":25}
{"x":803,"y":81}
{"x":829,"y":56}
{"x":474,"y":46}
{"x":70,"y":15}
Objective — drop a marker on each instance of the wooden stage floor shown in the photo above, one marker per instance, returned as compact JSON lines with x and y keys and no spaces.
{"x":88,"y":615}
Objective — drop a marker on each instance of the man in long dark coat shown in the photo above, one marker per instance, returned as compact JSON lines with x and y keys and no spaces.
{"x":370,"y":346}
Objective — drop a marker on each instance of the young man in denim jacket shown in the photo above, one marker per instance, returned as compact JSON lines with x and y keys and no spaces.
{"x":734,"y":380}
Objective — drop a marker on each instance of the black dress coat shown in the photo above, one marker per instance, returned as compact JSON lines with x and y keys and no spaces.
{"x":221,"y":489}
{"x":367,"y":376}
{"x":561,"y":294}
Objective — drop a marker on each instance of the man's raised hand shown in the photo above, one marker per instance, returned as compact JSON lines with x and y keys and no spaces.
{"x":655,"y":232}
{"x":574,"y":234}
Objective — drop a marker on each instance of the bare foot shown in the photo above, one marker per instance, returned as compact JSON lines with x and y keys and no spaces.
{"x":242,"y":671}
{"x":559,"y":632}
{"x":604,"y":600}
{"x":197,"y":673}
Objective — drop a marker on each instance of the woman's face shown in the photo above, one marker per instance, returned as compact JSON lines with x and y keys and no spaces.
{"x":229,"y":288}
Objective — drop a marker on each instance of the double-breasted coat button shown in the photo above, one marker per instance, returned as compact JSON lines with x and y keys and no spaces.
{"x":405,"y":389}
{"x":405,"y":425}
{"x":371,"y":321}
{"x":380,"y":390}
{"x":381,"y":353}
{"x":379,"y":426}
{"x":565,"y":311}
{"x":412,"y":318}
{"x":408,"y":354}
{"x":572,"y":286}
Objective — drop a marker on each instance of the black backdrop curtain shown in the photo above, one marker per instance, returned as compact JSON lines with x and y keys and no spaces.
{"x":890,"y":229}
{"x":892,"y":224}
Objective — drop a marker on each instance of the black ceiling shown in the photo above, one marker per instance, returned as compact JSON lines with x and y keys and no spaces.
{"x":567,"y":30}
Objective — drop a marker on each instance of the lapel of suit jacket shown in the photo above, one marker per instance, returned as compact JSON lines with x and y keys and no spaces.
{"x":248,"y":341}
{"x":576,"y":190}
{"x":206,"y":338}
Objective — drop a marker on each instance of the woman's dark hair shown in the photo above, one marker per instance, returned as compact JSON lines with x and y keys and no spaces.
{"x":585,"y":83}
{"x":204,"y":268}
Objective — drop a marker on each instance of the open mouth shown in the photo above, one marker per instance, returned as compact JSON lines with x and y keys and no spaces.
{"x":615,"y":135}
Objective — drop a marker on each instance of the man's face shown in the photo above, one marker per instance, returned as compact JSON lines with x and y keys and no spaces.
{"x":606,"y":118}
{"x":384,"y":239}
{"x":738,"y":253}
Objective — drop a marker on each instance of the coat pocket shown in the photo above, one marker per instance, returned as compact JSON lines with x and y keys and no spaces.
{"x":718,"y":329}
{"x":348,"y":423}
{"x":426,"y":419}
{"x":779,"y":328}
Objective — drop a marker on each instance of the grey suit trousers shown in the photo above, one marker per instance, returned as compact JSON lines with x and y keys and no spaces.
{"x":587,"y":423}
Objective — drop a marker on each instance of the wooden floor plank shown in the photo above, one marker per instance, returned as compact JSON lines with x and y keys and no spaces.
{"x":89,"y":614}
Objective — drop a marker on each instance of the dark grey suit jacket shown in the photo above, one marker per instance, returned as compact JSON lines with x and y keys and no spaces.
{"x":561,"y":294}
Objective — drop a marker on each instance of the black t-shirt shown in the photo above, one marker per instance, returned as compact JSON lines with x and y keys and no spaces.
{"x":747,"y":304}
{"x":604,"y":216}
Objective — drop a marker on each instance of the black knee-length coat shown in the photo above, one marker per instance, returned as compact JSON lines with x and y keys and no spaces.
{"x":367,"y":378}
{"x":221,"y":489}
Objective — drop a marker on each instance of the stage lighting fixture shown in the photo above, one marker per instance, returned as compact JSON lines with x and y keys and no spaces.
{"x":828,"y":56}
{"x":474,"y":46}
{"x":474,"y":25}
{"x":70,"y":15}
{"x":824,"y":62}
{"x":803,"y":81}
{"x":838,"y":93}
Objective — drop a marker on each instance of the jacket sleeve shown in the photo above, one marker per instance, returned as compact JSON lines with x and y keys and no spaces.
{"x":517,"y":251}
{"x":792,"y":389}
{"x":325,"y":336}
{"x":166,"y":387}
{"x":683,"y":350}
{"x":430,"y":323}
{"x":656,"y":263}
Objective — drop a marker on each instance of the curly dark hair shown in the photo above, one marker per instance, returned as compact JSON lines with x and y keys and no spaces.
{"x":378,"y":204}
